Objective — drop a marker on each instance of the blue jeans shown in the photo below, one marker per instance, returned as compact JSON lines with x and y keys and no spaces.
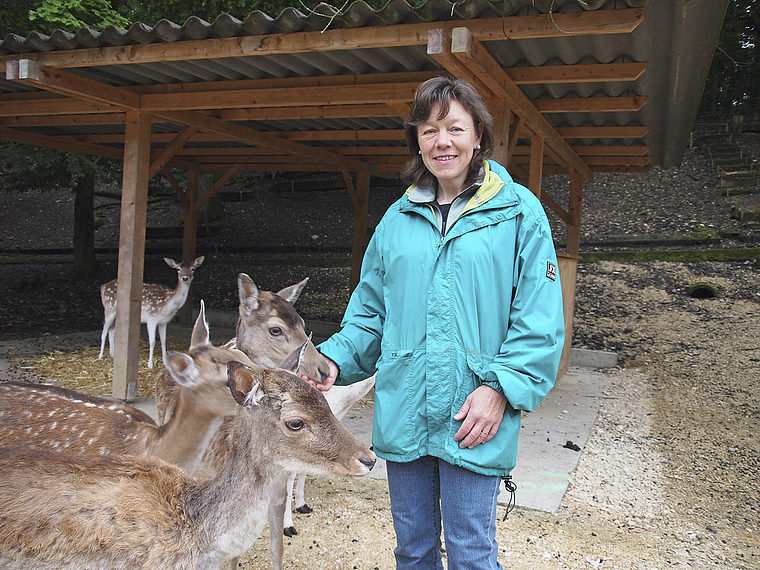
{"x":427,"y":491}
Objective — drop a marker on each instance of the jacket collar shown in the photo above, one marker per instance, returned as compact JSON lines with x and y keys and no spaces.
{"x":491,"y":189}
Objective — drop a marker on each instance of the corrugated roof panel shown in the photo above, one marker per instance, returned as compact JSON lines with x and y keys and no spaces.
{"x":675,"y":40}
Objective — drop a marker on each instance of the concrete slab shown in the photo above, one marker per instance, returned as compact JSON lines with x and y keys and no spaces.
{"x":546,"y":454}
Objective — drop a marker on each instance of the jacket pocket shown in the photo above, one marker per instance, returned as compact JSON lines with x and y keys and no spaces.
{"x":399,"y":403}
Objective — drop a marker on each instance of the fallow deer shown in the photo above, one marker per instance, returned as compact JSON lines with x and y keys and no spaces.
{"x":158,"y":306}
{"x":66,"y":511}
{"x":340,"y":399}
{"x":41,"y":417}
{"x":268,"y":330}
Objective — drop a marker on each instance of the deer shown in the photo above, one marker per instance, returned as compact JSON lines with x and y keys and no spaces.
{"x":268,"y":327}
{"x":44,"y":417}
{"x":159,"y":304}
{"x":70,"y":511}
{"x":340,"y":399}
{"x":266,"y":330}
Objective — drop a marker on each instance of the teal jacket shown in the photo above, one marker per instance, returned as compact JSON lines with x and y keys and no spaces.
{"x":437,"y":315}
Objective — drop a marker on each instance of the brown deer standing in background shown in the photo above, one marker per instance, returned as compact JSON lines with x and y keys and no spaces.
{"x":50,"y":418}
{"x":66,"y":511}
{"x":158,"y":306}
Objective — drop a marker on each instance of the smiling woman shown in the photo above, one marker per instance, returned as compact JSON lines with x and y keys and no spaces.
{"x":458,"y":359}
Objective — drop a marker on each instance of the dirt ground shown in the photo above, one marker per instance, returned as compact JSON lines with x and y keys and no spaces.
{"x":667,"y":478}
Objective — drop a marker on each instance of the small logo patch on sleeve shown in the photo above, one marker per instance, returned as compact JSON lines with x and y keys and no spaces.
{"x":551,"y":271}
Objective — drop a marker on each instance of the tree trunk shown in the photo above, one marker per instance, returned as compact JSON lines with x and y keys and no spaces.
{"x":85,"y":264}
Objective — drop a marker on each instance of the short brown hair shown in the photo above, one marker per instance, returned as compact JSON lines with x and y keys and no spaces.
{"x":444,"y":90}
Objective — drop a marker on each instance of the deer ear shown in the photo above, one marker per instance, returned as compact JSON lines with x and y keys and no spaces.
{"x":293,"y":361}
{"x":244,"y":384}
{"x":248,"y":294}
{"x":198,"y":261}
{"x":182,"y":369}
{"x":200,"y":336}
{"x":291,"y":294}
{"x":171,"y":263}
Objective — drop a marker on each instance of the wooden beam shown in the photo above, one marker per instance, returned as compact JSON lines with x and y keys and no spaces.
{"x":611,"y":150}
{"x":574,"y":225}
{"x":556,"y":208}
{"x":580,"y":73}
{"x":280,"y":97}
{"x":535,"y":173}
{"x":590,"y":104}
{"x":168,"y":152}
{"x":63,"y":120}
{"x":361,"y":207}
{"x":315,"y":112}
{"x":30,"y":72}
{"x":363,"y":135}
{"x":220,"y":182}
{"x":61,"y":143}
{"x":592,"y":22}
{"x":190,"y":235}
{"x":236,"y":132}
{"x":613,"y":132}
{"x":469,"y":50}
{"x":134,"y":207}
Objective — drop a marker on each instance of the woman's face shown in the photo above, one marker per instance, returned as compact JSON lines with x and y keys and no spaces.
{"x":447,"y":146}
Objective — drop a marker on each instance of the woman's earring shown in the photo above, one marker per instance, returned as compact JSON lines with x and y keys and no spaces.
{"x":419,"y":152}
{"x":477,"y":147}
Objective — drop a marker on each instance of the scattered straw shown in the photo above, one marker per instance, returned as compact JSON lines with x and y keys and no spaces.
{"x":81,"y":370}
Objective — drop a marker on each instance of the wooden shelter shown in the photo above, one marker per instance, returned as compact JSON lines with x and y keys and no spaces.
{"x":576,"y":87}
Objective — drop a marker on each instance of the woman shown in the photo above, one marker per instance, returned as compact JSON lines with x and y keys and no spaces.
{"x":459,"y":311}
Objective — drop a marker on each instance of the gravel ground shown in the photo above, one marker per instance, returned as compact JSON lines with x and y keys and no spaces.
{"x":668,"y":475}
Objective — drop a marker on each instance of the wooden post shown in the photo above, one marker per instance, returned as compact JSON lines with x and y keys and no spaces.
{"x":190,"y":237}
{"x":536,"y":164}
{"x":568,"y":266}
{"x":134,"y":208}
{"x":361,"y":208}
{"x":574,"y":227}
{"x":501,"y":115}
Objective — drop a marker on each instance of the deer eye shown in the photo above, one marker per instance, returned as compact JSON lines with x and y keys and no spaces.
{"x":295,"y":425}
{"x":275,"y":331}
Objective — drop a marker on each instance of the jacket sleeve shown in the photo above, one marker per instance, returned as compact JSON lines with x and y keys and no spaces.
{"x":526,"y":366}
{"x":356,"y":347}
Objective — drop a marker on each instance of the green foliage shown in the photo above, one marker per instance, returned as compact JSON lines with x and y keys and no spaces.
{"x":72,"y":15}
{"x":733,"y":83}
{"x":24,"y":167}
{"x":14,"y":17}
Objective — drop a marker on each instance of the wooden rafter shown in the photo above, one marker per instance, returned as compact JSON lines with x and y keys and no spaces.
{"x":468,"y":50}
{"x":512,"y":27}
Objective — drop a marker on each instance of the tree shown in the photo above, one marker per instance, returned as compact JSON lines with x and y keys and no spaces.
{"x":733,"y":83}
{"x":25,"y":167}
{"x":72,"y":15}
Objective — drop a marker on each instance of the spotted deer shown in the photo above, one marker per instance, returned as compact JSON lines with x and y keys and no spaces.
{"x":41,"y":417}
{"x":268,"y":329}
{"x":158,"y":306}
{"x":70,"y":511}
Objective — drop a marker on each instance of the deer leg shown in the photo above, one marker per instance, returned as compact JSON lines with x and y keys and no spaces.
{"x":151,"y":342}
{"x":107,"y":328}
{"x":277,"y":507}
{"x":162,"y":334}
{"x":300,"y":500}
{"x":287,"y":523}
